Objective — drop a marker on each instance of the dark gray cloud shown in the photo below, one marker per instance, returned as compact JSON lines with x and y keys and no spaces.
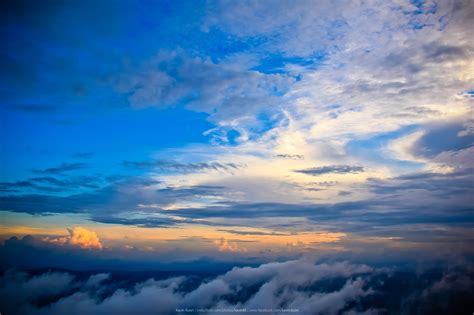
{"x":51,"y":184}
{"x":438,"y":52}
{"x":38,"y":203}
{"x":438,"y":185}
{"x":346,"y":216}
{"x":344,"y":193}
{"x":337,"y":169}
{"x":63,"y":168}
{"x":141,"y":222}
{"x":290,"y":156}
{"x":237,"y":232}
{"x":172,"y":166}
{"x":438,"y":138}
{"x":111,"y":203}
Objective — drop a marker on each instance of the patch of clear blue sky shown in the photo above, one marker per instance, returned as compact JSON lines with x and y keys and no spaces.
{"x":39,"y":141}
{"x":277,"y":63}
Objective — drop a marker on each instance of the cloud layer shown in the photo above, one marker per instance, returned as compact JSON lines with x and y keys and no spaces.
{"x":299,"y":286}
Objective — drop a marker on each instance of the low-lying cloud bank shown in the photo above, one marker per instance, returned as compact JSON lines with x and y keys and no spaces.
{"x":299,"y":285}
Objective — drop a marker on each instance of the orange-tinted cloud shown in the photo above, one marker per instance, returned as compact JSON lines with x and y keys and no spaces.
{"x":78,"y":236}
{"x":84,"y":238}
{"x":225,"y":246}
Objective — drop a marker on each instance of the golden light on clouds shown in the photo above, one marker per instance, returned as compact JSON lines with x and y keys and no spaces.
{"x":78,"y":236}
{"x":218,"y":238}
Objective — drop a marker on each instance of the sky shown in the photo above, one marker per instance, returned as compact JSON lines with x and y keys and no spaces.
{"x":140,"y":135}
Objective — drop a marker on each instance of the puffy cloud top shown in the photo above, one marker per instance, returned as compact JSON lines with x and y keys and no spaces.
{"x":78,"y":236}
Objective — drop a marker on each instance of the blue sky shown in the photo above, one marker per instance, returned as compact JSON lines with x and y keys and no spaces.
{"x":229,"y":127}
{"x":308,"y":155}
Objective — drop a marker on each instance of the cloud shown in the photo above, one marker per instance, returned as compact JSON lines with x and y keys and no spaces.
{"x":402,"y":202}
{"x":365,"y":73}
{"x":445,"y":52}
{"x":83,"y":238}
{"x":65,"y":167}
{"x":140,"y":222}
{"x":290,"y":156}
{"x":78,"y":236}
{"x":95,"y":281}
{"x":241,"y":288}
{"x":439,"y":145}
{"x":336,"y":169}
{"x":19,"y":289}
{"x":224,"y":245}
{"x":302,"y":285}
{"x":333,"y":302}
{"x":171,"y":166}
{"x":122,"y":195}
{"x":231,"y":95}
{"x":439,"y":138}
{"x":244,"y":232}
{"x":298,"y":29}
{"x":452,"y":283}
{"x":50,"y":184}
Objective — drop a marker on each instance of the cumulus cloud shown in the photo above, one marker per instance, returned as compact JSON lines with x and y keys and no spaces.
{"x":224,"y":245}
{"x":78,"y":236}
{"x":83,"y":238}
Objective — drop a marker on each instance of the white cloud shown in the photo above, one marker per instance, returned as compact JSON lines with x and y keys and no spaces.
{"x":387,"y":65}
